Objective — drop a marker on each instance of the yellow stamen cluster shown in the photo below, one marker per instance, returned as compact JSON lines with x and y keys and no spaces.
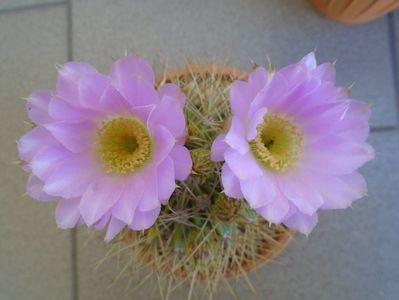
{"x":278,"y":144}
{"x":124,"y":145}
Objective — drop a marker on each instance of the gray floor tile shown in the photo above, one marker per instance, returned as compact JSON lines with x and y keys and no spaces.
{"x":352,"y":254}
{"x":240,"y":30}
{"x":34,"y":254}
{"x":6,"y":5}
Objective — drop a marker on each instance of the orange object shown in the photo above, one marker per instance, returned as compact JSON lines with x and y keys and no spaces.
{"x":354,"y":11}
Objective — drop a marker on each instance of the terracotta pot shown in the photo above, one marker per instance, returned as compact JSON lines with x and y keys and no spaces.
{"x":268,"y":251}
{"x":354,"y":11}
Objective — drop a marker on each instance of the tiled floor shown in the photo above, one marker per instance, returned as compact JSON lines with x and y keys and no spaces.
{"x":352,"y":254}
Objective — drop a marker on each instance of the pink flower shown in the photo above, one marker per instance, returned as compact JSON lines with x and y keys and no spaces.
{"x":294,"y":144}
{"x":108,"y":147}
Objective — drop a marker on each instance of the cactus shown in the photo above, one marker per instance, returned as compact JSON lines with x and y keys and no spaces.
{"x":202,"y":236}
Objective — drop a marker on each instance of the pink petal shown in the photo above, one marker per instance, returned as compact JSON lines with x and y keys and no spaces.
{"x":258,"y":191}
{"x":173,"y":91}
{"x":97,"y":93}
{"x":37,"y":107}
{"x":150,"y":199}
{"x":340,"y":192}
{"x":64,"y":111}
{"x":325,"y":72}
{"x":241,"y":97}
{"x":75,"y":136}
{"x":231,"y":184}
{"x":275,"y":211}
{"x":132,"y":66}
{"x":130,"y":198}
{"x":355,"y":123}
{"x":236,"y":136}
{"x":255,"y":120}
{"x":169,"y":114}
{"x":71,"y":177}
{"x":44,"y":162}
{"x":309,"y":60}
{"x":111,"y":101}
{"x":134,"y":79}
{"x":67,"y":213}
{"x":337,"y":156}
{"x":301,"y":222}
{"x":99,"y":197}
{"x":163,"y":143}
{"x":115,"y":226}
{"x":68,"y":80}
{"x":166,"y":179}
{"x":144,"y":220}
{"x":35,"y":190}
{"x":257,"y":79}
{"x":304,"y":196}
{"x":182,"y":162}
{"x":103,"y":221}
{"x":143,"y":112}
{"x":243,"y":166}
{"x":33,"y":141}
{"x":219,"y":147}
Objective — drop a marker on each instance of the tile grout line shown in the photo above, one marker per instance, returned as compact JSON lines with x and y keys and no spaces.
{"x":392,"y":35}
{"x":73,"y":234}
{"x":31,"y":7}
{"x":382,"y":128}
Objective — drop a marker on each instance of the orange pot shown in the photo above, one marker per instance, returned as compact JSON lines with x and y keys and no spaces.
{"x":354,"y":11}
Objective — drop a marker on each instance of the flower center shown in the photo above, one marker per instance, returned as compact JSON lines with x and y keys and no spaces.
{"x":124,"y":145}
{"x":278,"y":144}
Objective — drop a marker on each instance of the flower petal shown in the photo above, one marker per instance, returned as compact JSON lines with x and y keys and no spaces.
{"x":69,"y":77}
{"x":35,"y":190}
{"x":243,"y":166}
{"x":61,"y":110}
{"x":132,"y":66}
{"x":301,"y":222}
{"x":114,"y":227}
{"x":309,"y":60}
{"x":219,"y":147}
{"x":75,"y":136}
{"x":166,"y":179}
{"x":276,"y":211}
{"x":304,"y":196}
{"x":67,"y":213}
{"x":33,"y":141}
{"x":163,"y":143}
{"x":37,"y":107}
{"x":150,"y":198}
{"x":103,"y":221}
{"x":71,"y":177}
{"x":236,"y":136}
{"x":182,"y":162}
{"x":255,"y":120}
{"x":134,"y":79}
{"x":173,"y":91}
{"x":45,"y":161}
{"x":169,"y":114}
{"x":130,"y":198}
{"x":99,"y":197}
{"x":97,"y":93}
{"x":231,"y":184}
{"x":144,"y":220}
{"x":240,"y":98}
{"x":340,"y":192}
{"x":258,"y":191}
{"x":325,"y":72}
